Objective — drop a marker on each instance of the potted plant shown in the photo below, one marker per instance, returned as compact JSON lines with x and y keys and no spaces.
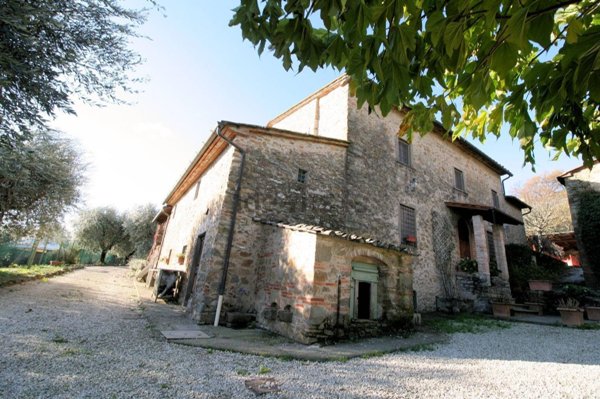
{"x":539,"y":279}
{"x":593,"y":312}
{"x":410,"y":240}
{"x":467,"y":265}
{"x":570,"y":313}
{"x":502,"y":306}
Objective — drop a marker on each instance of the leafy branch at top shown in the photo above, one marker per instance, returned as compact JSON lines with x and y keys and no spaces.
{"x":533,"y":65}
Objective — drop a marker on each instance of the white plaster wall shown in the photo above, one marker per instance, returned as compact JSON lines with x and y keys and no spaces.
{"x":301,"y":120}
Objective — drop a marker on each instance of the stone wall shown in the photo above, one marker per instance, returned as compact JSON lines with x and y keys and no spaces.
{"x":270,"y":187}
{"x":378,"y":184}
{"x":579,"y":181}
{"x":299,"y":273}
{"x":193,"y":216}
{"x":270,"y":190}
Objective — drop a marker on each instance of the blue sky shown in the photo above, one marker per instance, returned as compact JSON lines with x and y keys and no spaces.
{"x":200,"y":71}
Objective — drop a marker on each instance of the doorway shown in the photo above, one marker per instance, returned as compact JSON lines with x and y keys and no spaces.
{"x":363,"y":302}
{"x":194,"y":268}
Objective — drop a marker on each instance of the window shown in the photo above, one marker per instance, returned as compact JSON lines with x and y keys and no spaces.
{"x":495,"y":200}
{"x":197,"y":189}
{"x":459,"y":179}
{"x":404,"y":152}
{"x":408,"y":225}
{"x":302,"y":175}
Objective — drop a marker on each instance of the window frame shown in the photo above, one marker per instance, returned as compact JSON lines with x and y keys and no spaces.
{"x":408,"y":227}
{"x":495,"y":199}
{"x":459,"y":183}
{"x":404,"y":144}
{"x":302,"y":176}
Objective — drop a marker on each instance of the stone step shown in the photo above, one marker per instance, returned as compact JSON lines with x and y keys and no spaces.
{"x":520,"y":310}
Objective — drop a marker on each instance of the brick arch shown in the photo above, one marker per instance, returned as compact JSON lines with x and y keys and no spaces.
{"x":366,"y":255}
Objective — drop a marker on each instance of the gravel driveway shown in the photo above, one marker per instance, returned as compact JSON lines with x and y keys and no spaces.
{"x":81,"y":335}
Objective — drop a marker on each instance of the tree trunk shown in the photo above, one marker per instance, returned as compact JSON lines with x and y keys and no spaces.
{"x":103,"y":256}
{"x":129,"y":256}
{"x":31,"y":259}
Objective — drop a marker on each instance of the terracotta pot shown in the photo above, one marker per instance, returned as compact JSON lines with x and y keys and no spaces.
{"x":540,"y":285}
{"x":501,"y":309}
{"x":571,"y":317}
{"x":593,"y":313}
{"x":181,"y":259}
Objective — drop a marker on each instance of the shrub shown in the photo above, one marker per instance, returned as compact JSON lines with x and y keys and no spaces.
{"x":467,"y":265}
{"x":589,"y":228}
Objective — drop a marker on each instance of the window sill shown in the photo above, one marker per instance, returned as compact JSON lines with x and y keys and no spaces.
{"x":405,"y":165}
{"x":458,"y":190}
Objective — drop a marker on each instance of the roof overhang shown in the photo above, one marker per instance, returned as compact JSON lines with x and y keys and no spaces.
{"x":571,"y":172}
{"x":511,"y":199}
{"x":565,"y":240}
{"x":488,"y":213}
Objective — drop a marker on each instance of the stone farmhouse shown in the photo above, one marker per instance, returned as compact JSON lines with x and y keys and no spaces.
{"x":577,"y":181}
{"x":326,"y":223}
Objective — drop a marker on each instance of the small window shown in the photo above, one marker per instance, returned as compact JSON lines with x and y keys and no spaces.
{"x":459,"y":179}
{"x":302,"y":175}
{"x":408,"y":225}
{"x":184,"y":250}
{"x":495,"y":200}
{"x":197,"y":189}
{"x":404,"y":152}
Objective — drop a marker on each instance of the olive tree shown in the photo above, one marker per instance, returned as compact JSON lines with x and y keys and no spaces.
{"x":139,"y":227}
{"x":477,"y":65}
{"x":101,"y":229}
{"x":40,"y":180}
{"x":54,"y":50}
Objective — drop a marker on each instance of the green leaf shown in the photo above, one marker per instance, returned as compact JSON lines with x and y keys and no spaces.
{"x":453,"y":36}
{"x":516,"y":27}
{"x":574,"y":30}
{"x":504,"y":58}
{"x":594,"y":86}
{"x":540,"y":29}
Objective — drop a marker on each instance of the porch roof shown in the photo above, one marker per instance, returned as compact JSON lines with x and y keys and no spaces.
{"x":488,"y":213}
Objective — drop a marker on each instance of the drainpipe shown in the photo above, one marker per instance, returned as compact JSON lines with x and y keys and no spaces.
{"x":236,"y":200}
{"x":505,"y":179}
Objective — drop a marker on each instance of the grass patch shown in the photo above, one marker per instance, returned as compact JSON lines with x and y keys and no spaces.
{"x":464,"y":323}
{"x":263,"y":369}
{"x":15,"y":274}
{"x":242,"y":372}
{"x":589,"y":326}
{"x":373,"y":354}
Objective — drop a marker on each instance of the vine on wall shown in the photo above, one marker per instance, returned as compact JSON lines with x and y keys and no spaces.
{"x":443,"y":248}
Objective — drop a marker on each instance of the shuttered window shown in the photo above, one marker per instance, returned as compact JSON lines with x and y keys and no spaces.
{"x":495,"y":200}
{"x":408,"y":224}
{"x":459,"y":179}
{"x":403,"y":152}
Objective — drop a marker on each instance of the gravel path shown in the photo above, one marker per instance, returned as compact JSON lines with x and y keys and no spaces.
{"x":82,"y":335}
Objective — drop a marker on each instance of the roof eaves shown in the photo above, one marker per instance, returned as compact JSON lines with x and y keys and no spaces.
{"x":338,"y":234}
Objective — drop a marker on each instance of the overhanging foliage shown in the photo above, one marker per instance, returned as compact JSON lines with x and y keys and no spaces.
{"x":533,"y":65}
